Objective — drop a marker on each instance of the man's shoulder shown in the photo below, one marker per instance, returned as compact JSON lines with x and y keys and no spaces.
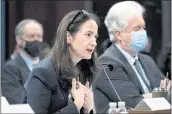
{"x":12,"y":67}
{"x":12,"y":63}
{"x":145,"y":57}
{"x":109,"y":55}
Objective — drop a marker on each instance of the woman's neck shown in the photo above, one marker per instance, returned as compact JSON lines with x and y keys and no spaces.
{"x":75,"y":59}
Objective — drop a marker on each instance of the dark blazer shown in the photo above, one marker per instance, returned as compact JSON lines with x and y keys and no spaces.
{"x":14,"y":75}
{"x":43,"y":91}
{"x":124,"y":80}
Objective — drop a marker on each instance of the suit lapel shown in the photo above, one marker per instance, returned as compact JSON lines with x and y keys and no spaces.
{"x":57,"y":74}
{"x":24,"y":67}
{"x":127,"y":67}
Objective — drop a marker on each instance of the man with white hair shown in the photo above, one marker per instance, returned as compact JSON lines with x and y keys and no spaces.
{"x":134,"y":75}
{"x":29,"y":36}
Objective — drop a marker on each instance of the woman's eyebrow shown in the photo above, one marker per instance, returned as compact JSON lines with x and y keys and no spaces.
{"x":89,"y":31}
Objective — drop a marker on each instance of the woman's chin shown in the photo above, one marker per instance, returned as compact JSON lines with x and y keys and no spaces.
{"x":87,"y":57}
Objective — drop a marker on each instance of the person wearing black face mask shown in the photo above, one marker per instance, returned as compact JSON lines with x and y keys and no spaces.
{"x":15,"y":72}
{"x":37,"y":48}
{"x":32,"y":48}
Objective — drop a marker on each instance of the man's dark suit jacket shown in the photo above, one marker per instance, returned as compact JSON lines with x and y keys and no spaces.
{"x":43,"y":91}
{"x":124,"y":79}
{"x":14,"y":75}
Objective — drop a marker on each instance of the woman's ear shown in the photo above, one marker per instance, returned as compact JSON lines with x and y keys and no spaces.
{"x":69,"y":38}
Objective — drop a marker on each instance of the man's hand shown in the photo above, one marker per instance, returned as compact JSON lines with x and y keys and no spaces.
{"x":166,"y":83}
{"x":147,"y":96}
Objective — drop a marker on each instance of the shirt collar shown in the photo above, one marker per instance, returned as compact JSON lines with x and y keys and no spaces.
{"x":29,"y":61}
{"x":129,"y":58}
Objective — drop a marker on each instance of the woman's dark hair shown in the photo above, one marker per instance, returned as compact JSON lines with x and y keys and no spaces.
{"x":85,"y":69}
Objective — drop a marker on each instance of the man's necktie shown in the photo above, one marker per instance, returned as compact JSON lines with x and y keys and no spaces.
{"x":139,"y":70}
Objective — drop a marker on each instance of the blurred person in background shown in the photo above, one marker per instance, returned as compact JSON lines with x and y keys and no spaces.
{"x":134,"y":75}
{"x":60,"y":83}
{"x":45,"y":49}
{"x":164,"y":60}
{"x":29,"y":36}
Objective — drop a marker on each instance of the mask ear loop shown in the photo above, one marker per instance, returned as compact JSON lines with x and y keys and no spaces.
{"x":129,"y":45}
{"x":126,"y":42}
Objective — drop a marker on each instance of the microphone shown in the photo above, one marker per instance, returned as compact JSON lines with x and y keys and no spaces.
{"x":110,"y":67}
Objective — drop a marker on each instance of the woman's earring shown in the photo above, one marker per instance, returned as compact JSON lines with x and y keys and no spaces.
{"x":68,"y":43}
{"x":68,"y":39}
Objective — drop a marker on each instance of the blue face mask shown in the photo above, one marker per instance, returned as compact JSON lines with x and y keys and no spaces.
{"x":139,"y":40}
